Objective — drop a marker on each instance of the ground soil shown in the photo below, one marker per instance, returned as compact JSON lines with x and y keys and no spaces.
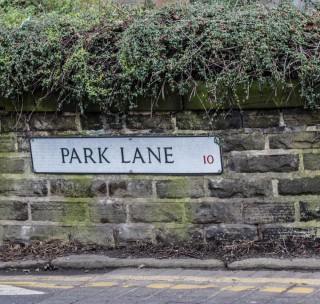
{"x":281,"y":248}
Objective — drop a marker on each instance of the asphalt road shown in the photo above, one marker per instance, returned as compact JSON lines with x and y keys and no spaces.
{"x":160,"y":286}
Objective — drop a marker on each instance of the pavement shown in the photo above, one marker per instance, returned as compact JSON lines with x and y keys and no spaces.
{"x":160,"y":286}
{"x":98,"y":279}
{"x":105,"y":262}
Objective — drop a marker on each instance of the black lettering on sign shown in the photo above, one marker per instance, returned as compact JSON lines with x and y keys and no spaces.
{"x":74,"y":155}
{"x":88,"y":154}
{"x":167,"y":155}
{"x":64,"y":152}
{"x":122,"y":157}
{"x":157,"y":157}
{"x":137,"y":155}
{"x":101,"y":155}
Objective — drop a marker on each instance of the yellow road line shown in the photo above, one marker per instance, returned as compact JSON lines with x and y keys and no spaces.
{"x":17,"y":283}
{"x":159,"y":285}
{"x":166,"y":285}
{"x":129,"y":285}
{"x":101,"y":284}
{"x":301,"y":290}
{"x":273,"y":289}
{"x":192,"y":286}
{"x":54,"y":286}
{"x":292,"y":281}
{"x":238,"y":288}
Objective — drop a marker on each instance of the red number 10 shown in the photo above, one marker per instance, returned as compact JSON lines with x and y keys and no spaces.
{"x":208,"y":159}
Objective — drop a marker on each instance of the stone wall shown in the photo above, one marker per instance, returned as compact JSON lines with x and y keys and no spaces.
{"x":270,"y":186}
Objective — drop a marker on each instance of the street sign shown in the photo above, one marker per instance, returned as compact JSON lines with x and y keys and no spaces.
{"x":125,"y":155}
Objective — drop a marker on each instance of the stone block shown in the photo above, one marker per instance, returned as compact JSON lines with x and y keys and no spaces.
{"x":300,"y":117}
{"x":179,"y":188}
{"x":21,"y":187}
{"x":297,"y":140}
{"x":309,"y":210}
{"x":149,"y":212}
{"x":242,"y":142}
{"x":52,"y":122}
{"x":1,"y":235}
{"x":78,"y":187}
{"x":134,"y":233}
{"x":173,"y":235}
{"x":213,"y":212}
{"x":99,"y":187}
{"x":249,"y":187}
{"x":231,"y":233}
{"x":23,"y":143}
{"x":264,"y":163}
{"x":276,"y":233}
{"x":311,"y":161}
{"x":33,"y":232}
{"x":114,"y":122}
{"x":96,"y":235}
{"x":68,"y":212}
{"x":271,"y":212}
{"x":13,"y":123}
{"x":7,"y":143}
{"x":130,"y":188}
{"x":107,"y":211}
{"x":11,"y":165}
{"x":299,"y":186}
{"x":261,"y":118}
{"x":154,"y":122}
{"x":201,"y":121}
{"x":91,"y":121}
{"x":13,"y":211}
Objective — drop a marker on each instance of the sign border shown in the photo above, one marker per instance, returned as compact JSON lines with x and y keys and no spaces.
{"x":128,"y":173}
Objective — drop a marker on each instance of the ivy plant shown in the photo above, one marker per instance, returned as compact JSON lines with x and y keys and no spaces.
{"x":116,"y":56}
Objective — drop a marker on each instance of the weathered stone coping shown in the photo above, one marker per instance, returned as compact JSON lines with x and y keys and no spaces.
{"x":100,"y":261}
{"x":266,"y":98}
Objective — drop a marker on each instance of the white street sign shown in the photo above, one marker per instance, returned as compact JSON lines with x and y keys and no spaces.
{"x":162,"y":154}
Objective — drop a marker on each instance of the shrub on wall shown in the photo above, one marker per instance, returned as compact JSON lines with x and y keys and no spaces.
{"x":117,"y":55}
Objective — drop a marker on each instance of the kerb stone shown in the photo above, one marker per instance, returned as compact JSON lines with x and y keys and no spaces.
{"x":276,"y":264}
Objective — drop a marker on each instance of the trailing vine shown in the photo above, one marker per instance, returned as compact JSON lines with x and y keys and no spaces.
{"x":117,"y":56}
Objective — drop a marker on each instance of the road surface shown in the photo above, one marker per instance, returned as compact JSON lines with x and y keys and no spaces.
{"x":159,"y":286}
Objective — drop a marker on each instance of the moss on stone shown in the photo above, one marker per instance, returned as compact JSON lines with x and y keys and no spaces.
{"x":76,"y":212}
